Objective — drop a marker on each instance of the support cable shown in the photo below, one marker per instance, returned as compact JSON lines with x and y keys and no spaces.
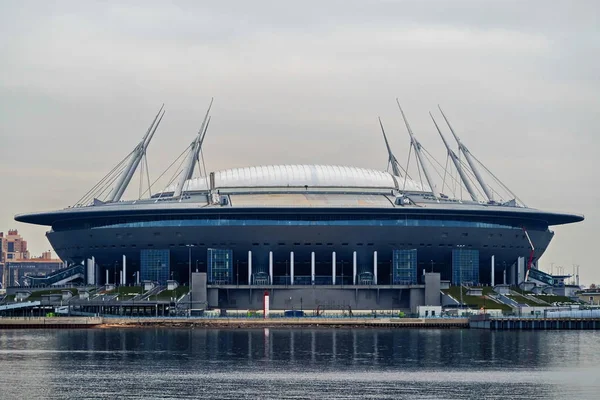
{"x":167,"y":169}
{"x":407,"y":165}
{"x":106,"y":184}
{"x":499,"y":181}
{"x":104,"y":178}
{"x":148,"y":175}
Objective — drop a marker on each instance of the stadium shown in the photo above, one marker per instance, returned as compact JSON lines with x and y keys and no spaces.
{"x":326,"y":235}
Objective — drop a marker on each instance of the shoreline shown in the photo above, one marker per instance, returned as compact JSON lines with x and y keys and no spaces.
{"x":228,"y":323}
{"x":241,"y":323}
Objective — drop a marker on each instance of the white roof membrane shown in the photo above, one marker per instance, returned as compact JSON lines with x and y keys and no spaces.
{"x":311,"y":176}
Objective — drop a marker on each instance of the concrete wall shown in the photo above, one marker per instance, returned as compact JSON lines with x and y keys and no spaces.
{"x":432,"y":289}
{"x":417,"y":298}
{"x":311,"y":298}
{"x":199,"y":292}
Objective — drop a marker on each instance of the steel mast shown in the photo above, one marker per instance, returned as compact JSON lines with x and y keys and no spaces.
{"x":417,"y":146}
{"x":391,"y":157}
{"x":193,"y":154}
{"x":134,"y":161}
{"x":456,"y":162}
{"x":470,"y":160}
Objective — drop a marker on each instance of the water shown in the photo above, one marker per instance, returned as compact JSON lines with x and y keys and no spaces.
{"x":298,"y":363}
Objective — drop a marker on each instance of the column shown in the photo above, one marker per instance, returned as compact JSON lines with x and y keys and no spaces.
{"x":520,"y":270}
{"x":375,"y":268}
{"x":120,"y":277}
{"x":354,"y":268}
{"x":88,"y":271}
{"x":249,"y":267}
{"x":333,"y":268}
{"x":493,"y":282}
{"x":124,"y":280}
{"x":271,"y":267}
{"x":106,"y":282}
{"x":312,"y":267}
{"x":94,"y":270}
{"x":137,"y":278}
{"x":291,"y":267}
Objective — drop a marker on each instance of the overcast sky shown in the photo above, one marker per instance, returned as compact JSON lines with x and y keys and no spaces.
{"x":302,"y":82}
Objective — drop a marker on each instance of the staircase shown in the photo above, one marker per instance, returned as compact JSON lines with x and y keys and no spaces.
{"x":60,"y":277}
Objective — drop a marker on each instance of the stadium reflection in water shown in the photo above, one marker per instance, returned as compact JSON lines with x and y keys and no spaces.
{"x":298,"y":363}
{"x":406,"y":349}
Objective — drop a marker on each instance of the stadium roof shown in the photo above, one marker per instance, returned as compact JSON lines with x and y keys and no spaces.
{"x":326,"y":176}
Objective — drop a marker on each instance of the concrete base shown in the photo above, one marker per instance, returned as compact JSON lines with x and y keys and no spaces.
{"x":318,"y":297}
{"x":502,"y":289}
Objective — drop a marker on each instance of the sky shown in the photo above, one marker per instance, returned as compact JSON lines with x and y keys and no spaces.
{"x":302,"y":82}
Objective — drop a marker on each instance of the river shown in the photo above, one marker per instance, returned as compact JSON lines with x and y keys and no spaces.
{"x":295,"y":363}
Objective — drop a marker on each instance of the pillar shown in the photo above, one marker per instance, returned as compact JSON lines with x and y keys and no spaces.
{"x":137,"y":277}
{"x":375,"y":268}
{"x":520,"y":270}
{"x":124,"y":280}
{"x":312,"y":267}
{"x":354,"y":268}
{"x":249,"y":267}
{"x":271,"y":267}
{"x":493,"y":282}
{"x":120,"y":277}
{"x":291,"y":267}
{"x":94,"y":270}
{"x":106,"y":282}
{"x":333,"y":268}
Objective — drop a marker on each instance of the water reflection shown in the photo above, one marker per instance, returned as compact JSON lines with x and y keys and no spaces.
{"x":297,"y":362}
{"x":405,"y":349}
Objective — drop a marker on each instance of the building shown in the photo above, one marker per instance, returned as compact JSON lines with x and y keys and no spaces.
{"x":12,"y":246}
{"x":303,"y":226}
{"x":16,"y":264}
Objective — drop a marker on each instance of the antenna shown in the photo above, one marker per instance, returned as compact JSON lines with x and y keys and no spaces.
{"x":417,"y":146}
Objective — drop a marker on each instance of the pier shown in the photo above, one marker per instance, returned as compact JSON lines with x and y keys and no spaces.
{"x":50,"y":322}
{"x":525,"y":323}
